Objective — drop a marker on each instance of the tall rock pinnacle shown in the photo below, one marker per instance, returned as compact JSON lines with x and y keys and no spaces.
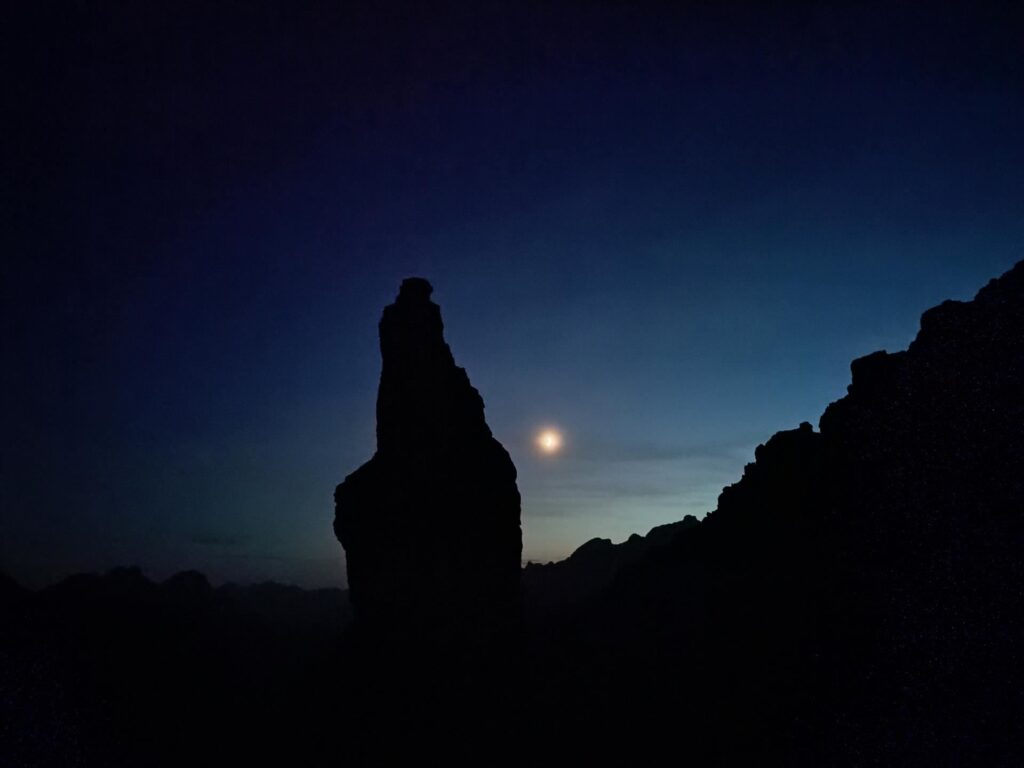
{"x":430,"y":524}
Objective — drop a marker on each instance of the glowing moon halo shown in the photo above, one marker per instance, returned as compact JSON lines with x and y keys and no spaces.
{"x":549,"y":441}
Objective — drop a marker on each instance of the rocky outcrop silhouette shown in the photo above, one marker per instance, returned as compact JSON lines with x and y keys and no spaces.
{"x":430,"y":524}
{"x":855,"y":597}
{"x":590,"y":568}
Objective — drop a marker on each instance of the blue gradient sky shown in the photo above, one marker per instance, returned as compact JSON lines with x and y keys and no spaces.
{"x":667,"y":233}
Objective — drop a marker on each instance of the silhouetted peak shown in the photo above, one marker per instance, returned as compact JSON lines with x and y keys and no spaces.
{"x":188,"y":583}
{"x":425,"y":401}
{"x":126,"y":574}
{"x":967,"y":327}
{"x":1003,"y":292}
{"x":411,"y":332}
{"x":415,"y":289}
{"x":1000,"y":295}
{"x":594,"y":564}
{"x":945,"y":314}
{"x":664,"y":534}
{"x":593,"y":547}
{"x":781,"y":443}
{"x":779,"y":471}
{"x":430,"y":524}
{"x":966,"y":354}
{"x":872,"y":374}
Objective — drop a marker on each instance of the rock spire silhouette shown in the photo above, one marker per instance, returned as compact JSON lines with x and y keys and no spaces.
{"x":431,"y":523}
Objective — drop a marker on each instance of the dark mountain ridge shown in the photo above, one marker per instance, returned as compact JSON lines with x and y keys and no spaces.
{"x":590,"y":568}
{"x":854,"y":599}
{"x":116,"y":669}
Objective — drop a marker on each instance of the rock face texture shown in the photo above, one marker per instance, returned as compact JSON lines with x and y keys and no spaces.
{"x":430,"y":524}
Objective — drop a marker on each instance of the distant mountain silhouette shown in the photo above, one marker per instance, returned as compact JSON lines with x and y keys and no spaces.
{"x":430,"y":524}
{"x":590,"y":569}
{"x":115,"y":669}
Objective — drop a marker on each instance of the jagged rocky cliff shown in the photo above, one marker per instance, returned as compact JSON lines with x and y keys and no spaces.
{"x":430,"y":524}
{"x":855,"y":598}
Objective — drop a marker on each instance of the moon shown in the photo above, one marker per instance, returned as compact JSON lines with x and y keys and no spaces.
{"x":549,"y":441}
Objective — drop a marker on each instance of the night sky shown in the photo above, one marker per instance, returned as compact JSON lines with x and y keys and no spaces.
{"x":665,"y":232}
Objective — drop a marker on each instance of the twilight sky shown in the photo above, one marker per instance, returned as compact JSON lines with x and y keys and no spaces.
{"x":665,"y":232}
